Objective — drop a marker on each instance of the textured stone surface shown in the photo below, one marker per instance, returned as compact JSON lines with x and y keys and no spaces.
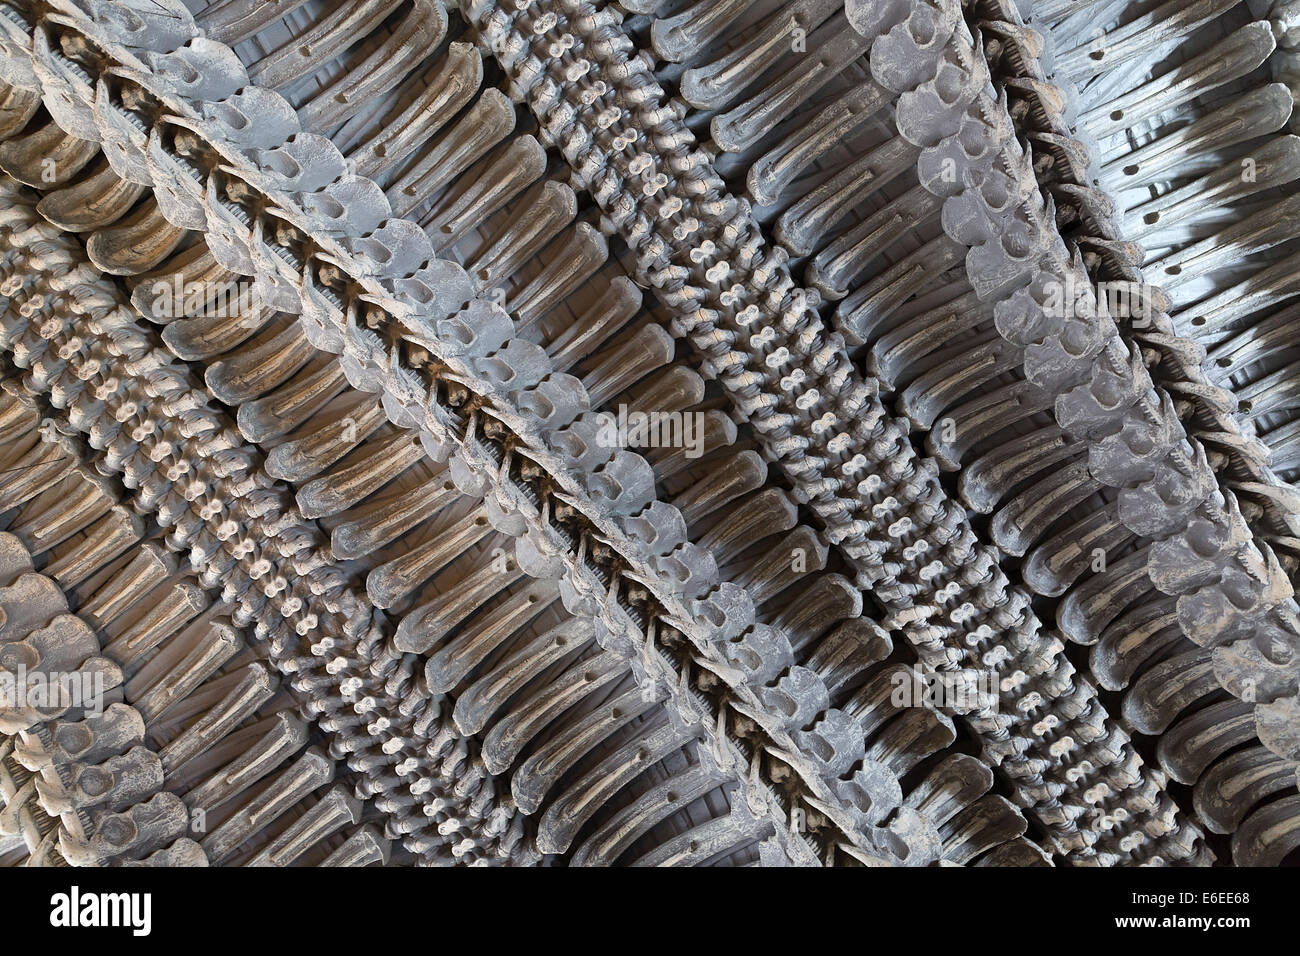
{"x":664,"y":432}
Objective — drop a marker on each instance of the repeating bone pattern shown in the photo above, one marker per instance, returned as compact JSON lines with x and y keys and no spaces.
{"x":315,"y":315}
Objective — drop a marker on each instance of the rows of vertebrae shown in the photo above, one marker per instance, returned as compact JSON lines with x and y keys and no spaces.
{"x":78,"y":784}
{"x":103,"y":760}
{"x":834,"y":740}
{"x":1201,"y":549}
{"x":189,"y":470}
{"x":1118,"y":610}
{"x":930,"y":824}
{"x":1049,"y":721}
{"x":912,"y":547}
{"x":666,"y":580}
{"x":1182,"y":668}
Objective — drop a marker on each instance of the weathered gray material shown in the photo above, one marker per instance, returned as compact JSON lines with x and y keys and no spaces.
{"x":346,"y":452}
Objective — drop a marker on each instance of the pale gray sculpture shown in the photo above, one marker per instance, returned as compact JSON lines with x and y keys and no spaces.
{"x":657,"y":432}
